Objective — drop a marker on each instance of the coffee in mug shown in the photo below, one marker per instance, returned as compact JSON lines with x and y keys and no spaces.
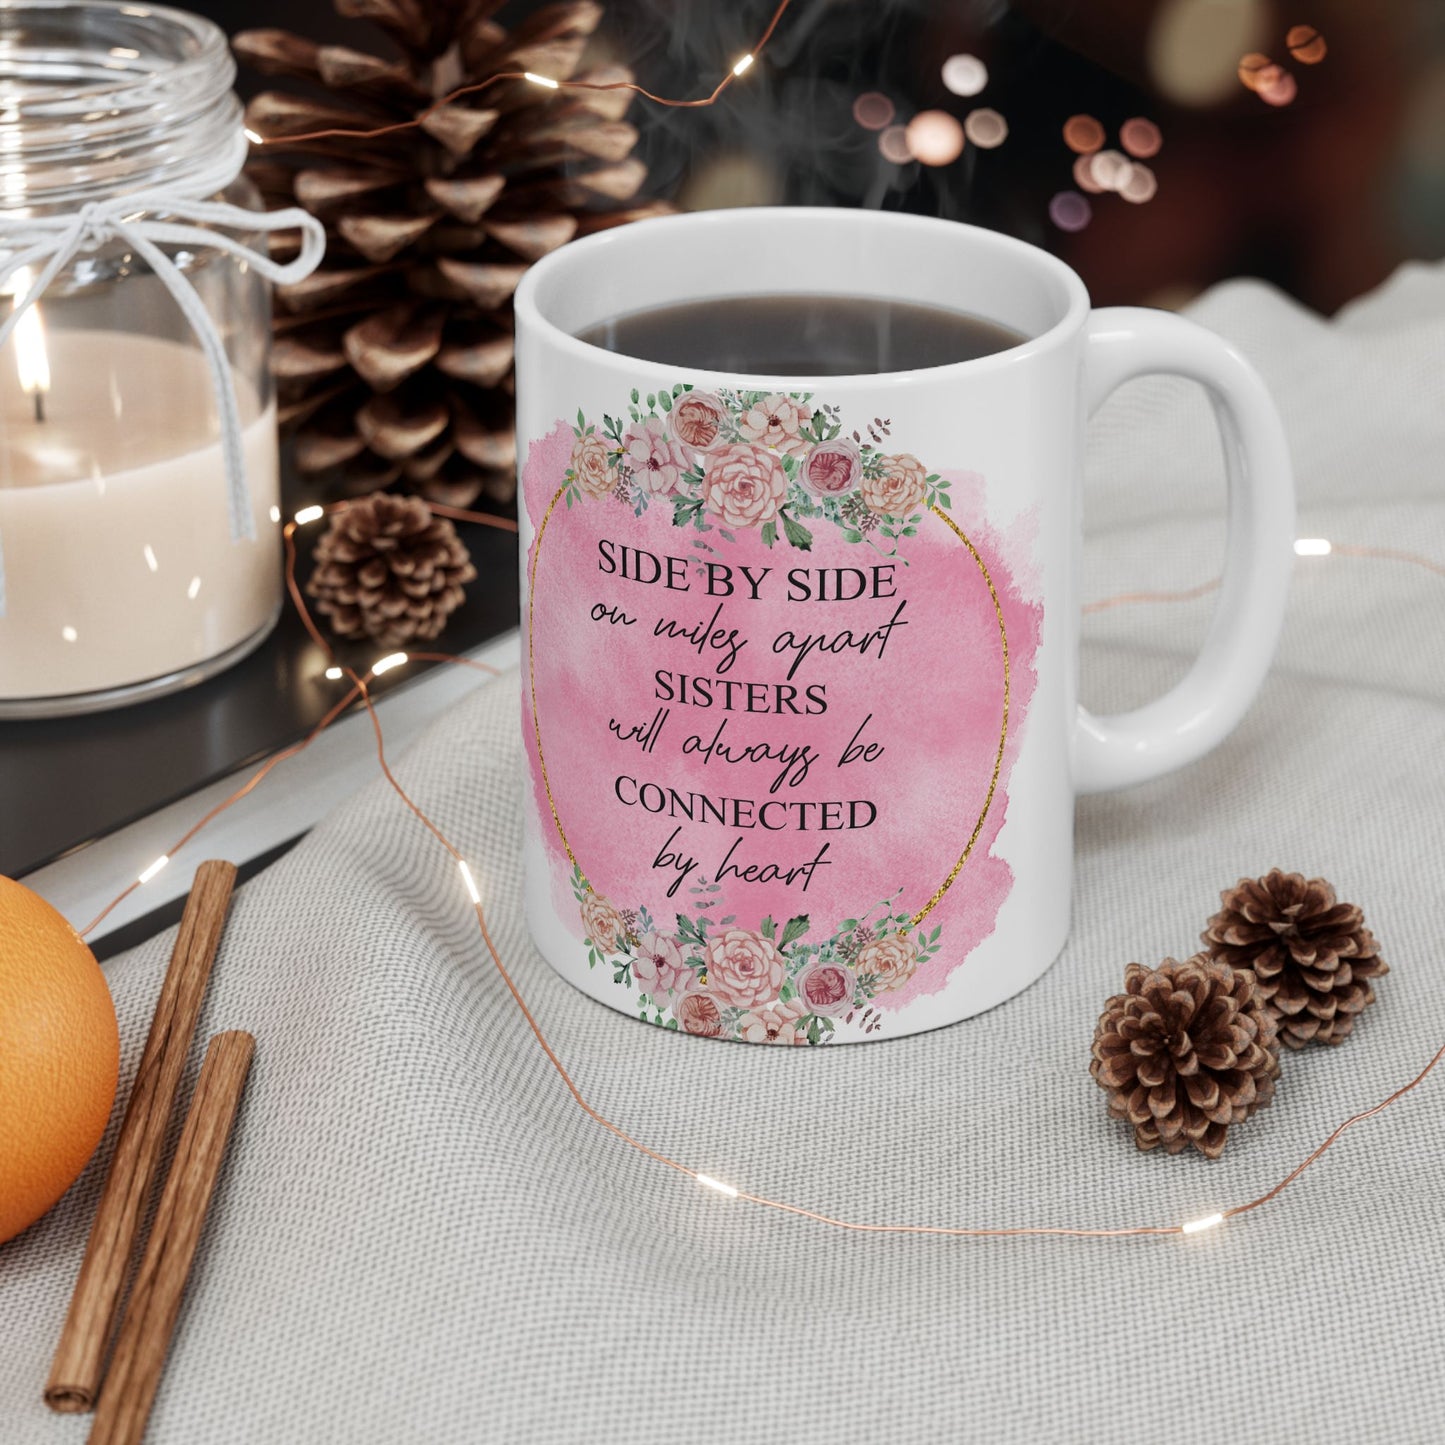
{"x":800,"y":504}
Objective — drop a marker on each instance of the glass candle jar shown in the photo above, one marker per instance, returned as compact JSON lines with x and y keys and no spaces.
{"x":128,"y":568}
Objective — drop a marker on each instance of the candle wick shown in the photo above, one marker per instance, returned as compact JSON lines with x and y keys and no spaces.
{"x":39,"y":404}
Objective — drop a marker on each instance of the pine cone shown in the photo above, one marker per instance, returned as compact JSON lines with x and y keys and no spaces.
{"x":1313,"y":957}
{"x":388,"y":570}
{"x":394,"y":360}
{"x":1185,"y":1051}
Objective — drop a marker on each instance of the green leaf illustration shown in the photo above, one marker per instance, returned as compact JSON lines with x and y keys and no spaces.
{"x":796,"y":533}
{"x":795,"y":928}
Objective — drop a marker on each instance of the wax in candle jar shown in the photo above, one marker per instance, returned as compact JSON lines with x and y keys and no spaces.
{"x":119,"y":562}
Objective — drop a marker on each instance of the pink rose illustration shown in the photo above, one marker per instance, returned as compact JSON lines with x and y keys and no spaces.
{"x":775,"y":422}
{"x":775,"y":1024}
{"x":698,"y":1013}
{"x":743,"y":486}
{"x":832,"y":468}
{"x":743,"y":969}
{"x":900,"y":489}
{"x":657,"y":462}
{"x":659,"y":969}
{"x":697,"y":420}
{"x":602,"y":924}
{"x":592,"y":466}
{"x":826,"y":989}
{"x":891,"y":960}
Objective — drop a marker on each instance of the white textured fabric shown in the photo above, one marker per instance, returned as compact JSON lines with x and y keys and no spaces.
{"x":418,"y":1237}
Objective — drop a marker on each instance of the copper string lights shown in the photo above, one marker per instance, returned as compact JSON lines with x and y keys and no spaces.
{"x":359,"y":691}
{"x":547,"y":82}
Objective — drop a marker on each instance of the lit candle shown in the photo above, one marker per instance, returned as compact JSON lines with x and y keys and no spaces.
{"x":32,"y":361}
{"x":113,"y":514}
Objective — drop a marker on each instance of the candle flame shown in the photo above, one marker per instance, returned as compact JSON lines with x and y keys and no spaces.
{"x":32,"y":361}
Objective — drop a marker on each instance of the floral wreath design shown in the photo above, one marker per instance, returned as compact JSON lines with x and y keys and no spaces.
{"x":773,"y":462}
{"x":730,"y":461}
{"x":710,"y":977}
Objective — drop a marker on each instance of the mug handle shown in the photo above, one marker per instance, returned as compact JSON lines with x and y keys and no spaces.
{"x":1124,"y":342}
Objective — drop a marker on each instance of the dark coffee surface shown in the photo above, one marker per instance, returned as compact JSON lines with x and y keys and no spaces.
{"x":801,"y":335}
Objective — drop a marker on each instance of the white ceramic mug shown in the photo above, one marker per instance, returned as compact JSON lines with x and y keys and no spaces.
{"x":801,"y":712}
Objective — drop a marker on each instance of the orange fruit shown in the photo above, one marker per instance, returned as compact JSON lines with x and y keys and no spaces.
{"x":59,"y":1056}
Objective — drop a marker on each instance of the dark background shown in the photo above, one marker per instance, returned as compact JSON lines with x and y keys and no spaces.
{"x":1323,"y":196}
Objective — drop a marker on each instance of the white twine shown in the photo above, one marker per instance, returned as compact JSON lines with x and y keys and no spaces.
{"x":52,"y":242}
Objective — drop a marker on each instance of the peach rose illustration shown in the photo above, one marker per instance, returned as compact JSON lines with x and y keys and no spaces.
{"x":592,"y":466}
{"x":900,"y":488}
{"x":775,"y":1024}
{"x":603,"y":924}
{"x":658,"y":967}
{"x":891,"y":960}
{"x":832,"y":468}
{"x":657,"y":462}
{"x":697,"y":420}
{"x":743,"y":486}
{"x":698,"y":1013}
{"x":743,"y":968}
{"x":775,"y":422}
{"x":826,"y":989}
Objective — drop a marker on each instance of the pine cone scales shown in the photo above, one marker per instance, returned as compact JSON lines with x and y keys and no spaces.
{"x":1312,"y":956}
{"x":394,"y":360}
{"x":1186,"y":1051}
{"x":388,"y":570}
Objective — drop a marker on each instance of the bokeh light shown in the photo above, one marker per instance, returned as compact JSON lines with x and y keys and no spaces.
{"x":1084,"y":175}
{"x":1252,"y":66}
{"x":873,"y":110}
{"x":894,"y":144}
{"x":1306,"y":44}
{"x":935,"y":137}
{"x":965,"y":74}
{"x":1083,"y":134}
{"x":985,"y":128}
{"x":1140,"y":185}
{"x":1194,"y":46}
{"x":1110,"y":170}
{"x":1140,"y":137}
{"x":1279,"y":89}
{"x":1070,"y":211}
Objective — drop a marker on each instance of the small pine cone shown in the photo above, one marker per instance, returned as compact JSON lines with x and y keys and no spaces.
{"x":388,"y":570}
{"x":1184,"y":1052}
{"x":1313,"y":957}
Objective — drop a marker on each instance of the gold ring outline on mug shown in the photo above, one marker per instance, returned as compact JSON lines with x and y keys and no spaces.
{"x":962,"y":536}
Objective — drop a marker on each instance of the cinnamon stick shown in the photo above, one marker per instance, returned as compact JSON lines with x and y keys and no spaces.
{"x":155,"y":1298}
{"x":79,"y":1362}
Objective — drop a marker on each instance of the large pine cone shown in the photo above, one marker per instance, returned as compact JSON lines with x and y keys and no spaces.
{"x":388,"y":570}
{"x":1185,"y":1051}
{"x":1313,"y":957}
{"x":394,"y":360}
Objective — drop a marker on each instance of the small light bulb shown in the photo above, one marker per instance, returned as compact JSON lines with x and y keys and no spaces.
{"x":708,"y":1182}
{"x":469,"y":880}
{"x":742,"y":65}
{"x":69,"y":634}
{"x":256,"y":140}
{"x":1196,"y":1226}
{"x":309,"y":514}
{"x":541,"y":80}
{"x":1312,"y":547}
{"x":275,"y":513}
{"x":385,"y":664}
{"x":333,"y":674}
{"x":155,"y":868}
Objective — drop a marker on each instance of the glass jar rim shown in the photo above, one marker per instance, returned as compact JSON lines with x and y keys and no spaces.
{"x":104,"y":97}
